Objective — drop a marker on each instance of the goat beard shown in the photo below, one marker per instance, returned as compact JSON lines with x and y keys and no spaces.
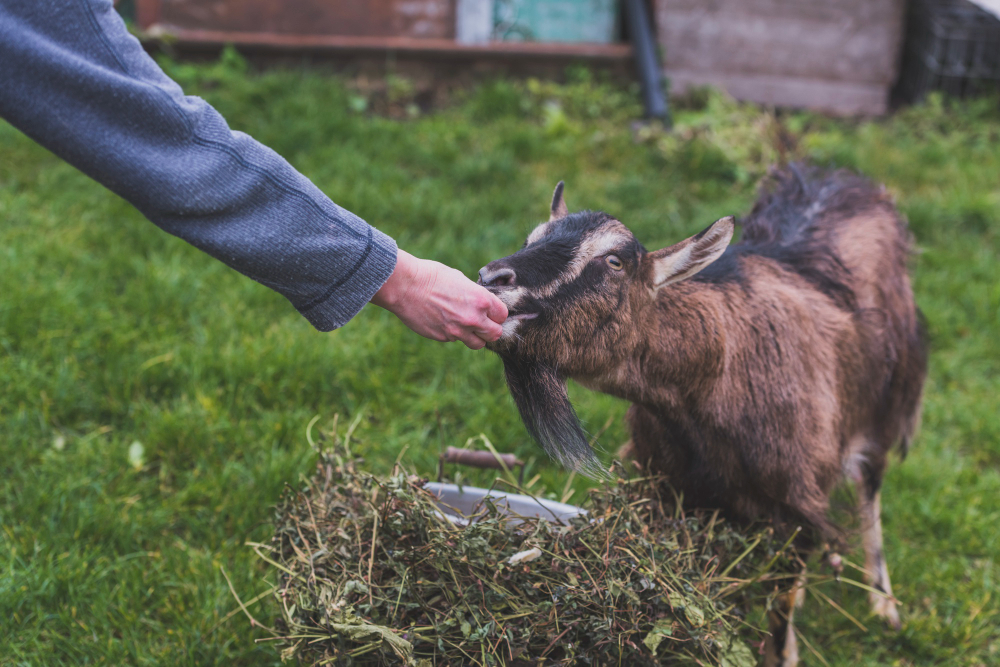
{"x":539,"y":393}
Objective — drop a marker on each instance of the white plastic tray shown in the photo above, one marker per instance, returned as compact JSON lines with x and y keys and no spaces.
{"x":458,"y":504}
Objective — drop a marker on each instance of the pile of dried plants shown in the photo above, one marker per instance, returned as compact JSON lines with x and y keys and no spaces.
{"x":369,"y":572}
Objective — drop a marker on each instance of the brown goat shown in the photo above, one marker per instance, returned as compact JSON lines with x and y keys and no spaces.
{"x":760,"y":374}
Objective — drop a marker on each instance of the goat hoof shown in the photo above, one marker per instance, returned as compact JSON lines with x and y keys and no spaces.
{"x":787,"y":660}
{"x":787,"y":657}
{"x":885,"y":608}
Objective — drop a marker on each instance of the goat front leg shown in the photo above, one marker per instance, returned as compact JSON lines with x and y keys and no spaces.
{"x":883,"y":604}
{"x":781,"y":647}
{"x":627,"y":452}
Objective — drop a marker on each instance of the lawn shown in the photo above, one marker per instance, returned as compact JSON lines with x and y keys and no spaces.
{"x":154,"y":403}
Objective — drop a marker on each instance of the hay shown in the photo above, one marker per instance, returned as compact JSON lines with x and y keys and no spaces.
{"x":369,"y":573}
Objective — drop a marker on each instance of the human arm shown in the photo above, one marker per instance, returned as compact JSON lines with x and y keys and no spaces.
{"x":75,"y":80}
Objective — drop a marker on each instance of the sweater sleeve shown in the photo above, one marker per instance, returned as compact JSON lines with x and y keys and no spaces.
{"x":73,"y":79}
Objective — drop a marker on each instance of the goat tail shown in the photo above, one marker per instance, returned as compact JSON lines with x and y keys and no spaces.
{"x":794,"y":198}
{"x":540,"y":396}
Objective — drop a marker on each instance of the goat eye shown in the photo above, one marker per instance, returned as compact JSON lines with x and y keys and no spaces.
{"x":614,"y":262}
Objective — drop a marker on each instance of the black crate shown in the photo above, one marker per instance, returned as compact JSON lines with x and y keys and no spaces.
{"x":952,"y":46}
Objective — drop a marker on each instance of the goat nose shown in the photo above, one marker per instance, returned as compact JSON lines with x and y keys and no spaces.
{"x":496,"y":277}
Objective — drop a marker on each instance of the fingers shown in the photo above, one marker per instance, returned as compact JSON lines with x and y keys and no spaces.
{"x":489,"y":331}
{"x":496,"y":310}
{"x":468,"y":337}
{"x":474,"y":342}
{"x":476,"y":337}
{"x":483,"y":324}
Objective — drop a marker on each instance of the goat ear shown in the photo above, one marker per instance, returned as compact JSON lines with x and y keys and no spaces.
{"x":559,"y":209}
{"x":690,"y":256}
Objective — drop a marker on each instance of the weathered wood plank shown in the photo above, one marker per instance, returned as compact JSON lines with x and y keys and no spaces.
{"x":842,"y":54}
{"x":836,"y":97}
{"x":428,"y":19}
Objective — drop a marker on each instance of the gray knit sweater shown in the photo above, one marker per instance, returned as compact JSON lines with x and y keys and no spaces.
{"x":73,"y":79}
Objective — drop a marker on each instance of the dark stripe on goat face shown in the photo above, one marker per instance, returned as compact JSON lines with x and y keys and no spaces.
{"x":541,"y":263}
{"x":595,"y":280}
{"x":591,"y":285}
{"x":559,"y":256}
{"x":574,"y":226}
{"x":547,"y":259}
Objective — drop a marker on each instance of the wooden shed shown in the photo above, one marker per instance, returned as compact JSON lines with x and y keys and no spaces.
{"x":411,"y":28}
{"x":839,"y":56}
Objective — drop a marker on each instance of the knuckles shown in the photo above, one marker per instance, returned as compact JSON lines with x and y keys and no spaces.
{"x":470,"y":321}
{"x":483,"y":301}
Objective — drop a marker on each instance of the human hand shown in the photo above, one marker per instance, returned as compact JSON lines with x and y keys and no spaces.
{"x":440,"y":303}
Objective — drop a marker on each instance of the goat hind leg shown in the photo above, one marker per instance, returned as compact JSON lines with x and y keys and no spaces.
{"x":883,"y":604}
{"x":781,"y":646}
{"x":866,"y":466}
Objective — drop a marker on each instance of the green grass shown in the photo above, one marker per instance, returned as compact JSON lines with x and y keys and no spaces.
{"x":112,"y":333}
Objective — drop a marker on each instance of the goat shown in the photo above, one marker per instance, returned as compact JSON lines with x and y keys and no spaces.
{"x":760,"y":374}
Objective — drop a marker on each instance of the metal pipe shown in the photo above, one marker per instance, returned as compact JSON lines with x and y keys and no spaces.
{"x":644,"y":50}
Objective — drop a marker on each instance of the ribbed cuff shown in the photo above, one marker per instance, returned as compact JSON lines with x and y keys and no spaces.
{"x":350,"y":297}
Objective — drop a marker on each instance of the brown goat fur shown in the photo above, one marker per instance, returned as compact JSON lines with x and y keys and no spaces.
{"x":760,"y":374}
